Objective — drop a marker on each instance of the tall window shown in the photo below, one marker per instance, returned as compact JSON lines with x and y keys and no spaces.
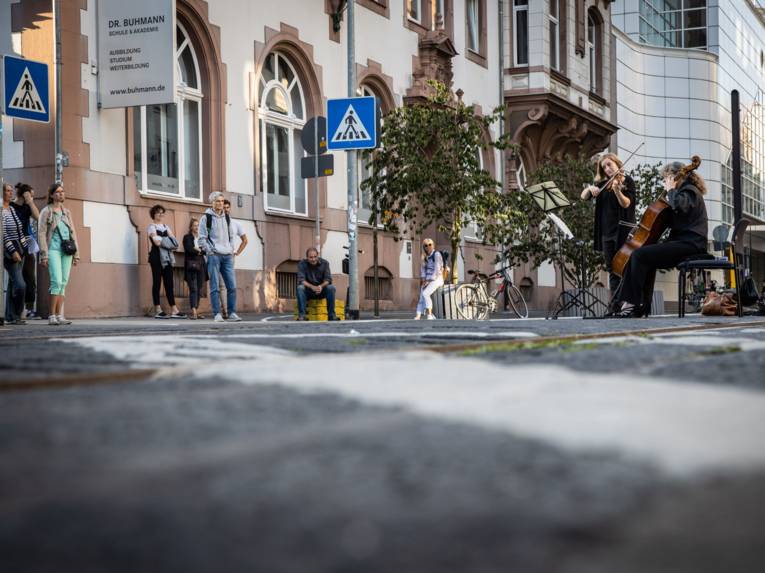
{"x":674,"y":23}
{"x":414,"y":10}
{"x":555,"y":35}
{"x":521,"y":32}
{"x":473,"y":25}
{"x":365,"y":170}
{"x":282,"y":116}
{"x":593,"y":51}
{"x":439,"y":14}
{"x":167,"y":139}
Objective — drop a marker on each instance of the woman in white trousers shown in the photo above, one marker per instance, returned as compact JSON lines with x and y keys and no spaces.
{"x":431,"y":277}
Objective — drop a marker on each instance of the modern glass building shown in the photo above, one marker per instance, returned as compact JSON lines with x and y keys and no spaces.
{"x":677,"y":62}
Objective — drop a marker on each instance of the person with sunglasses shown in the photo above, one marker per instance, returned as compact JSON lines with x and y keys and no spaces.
{"x":431,"y":278}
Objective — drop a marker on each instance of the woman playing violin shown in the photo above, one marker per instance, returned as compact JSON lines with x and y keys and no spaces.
{"x":688,"y":236}
{"x":614,"y":194}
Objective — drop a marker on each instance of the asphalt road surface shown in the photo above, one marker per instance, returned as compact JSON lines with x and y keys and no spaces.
{"x":569,"y":446}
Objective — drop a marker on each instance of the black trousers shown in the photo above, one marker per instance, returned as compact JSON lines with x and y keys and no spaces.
{"x":28,"y":270}
{"x":196,"y":282}
{"x":637,"y":286}
{"x":161,"y":274}
{"x":610,"y":248}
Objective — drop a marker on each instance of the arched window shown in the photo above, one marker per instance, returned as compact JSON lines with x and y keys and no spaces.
{"x":282,"y":117}
{"x":365,"y":172}
{"x":595,"y":50}
{"x":167,"y":138}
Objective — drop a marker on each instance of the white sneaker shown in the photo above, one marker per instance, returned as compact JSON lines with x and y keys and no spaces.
{"x":234,"y":317}
{"x":53,"y":320}
{"x":62,"y":320}
{"x":416,"y":317}
{"x":219,"y":318}
{"x":431,"y":317}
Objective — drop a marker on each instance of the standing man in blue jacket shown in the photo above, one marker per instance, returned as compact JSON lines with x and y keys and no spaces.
{"x":216,"y":238}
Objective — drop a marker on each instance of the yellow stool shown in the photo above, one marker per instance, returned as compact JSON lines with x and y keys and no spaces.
{"x":316,"y":309}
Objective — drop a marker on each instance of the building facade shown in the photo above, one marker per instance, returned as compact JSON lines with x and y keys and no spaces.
{"x":677,"y":62}
{"x":250,"y":75}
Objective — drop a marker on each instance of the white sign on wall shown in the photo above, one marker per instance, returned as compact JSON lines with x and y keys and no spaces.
{"x":136,"y":52}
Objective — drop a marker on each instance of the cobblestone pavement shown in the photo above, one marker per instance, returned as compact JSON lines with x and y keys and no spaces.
{"x":527,"y":446}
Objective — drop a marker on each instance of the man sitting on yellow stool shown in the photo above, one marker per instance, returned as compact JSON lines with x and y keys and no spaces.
{"x":314,"y":280}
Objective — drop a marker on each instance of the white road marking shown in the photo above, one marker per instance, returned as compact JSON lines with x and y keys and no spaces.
{"x":684,"y":428}
{"x":702,"y":340}
{"x":391,"y":334}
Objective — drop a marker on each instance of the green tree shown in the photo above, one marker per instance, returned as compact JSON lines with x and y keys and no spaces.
{"x":648,"y":185}
{"x":427,"y":170}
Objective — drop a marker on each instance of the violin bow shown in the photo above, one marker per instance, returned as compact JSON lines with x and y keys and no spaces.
{"x":623,"y":164}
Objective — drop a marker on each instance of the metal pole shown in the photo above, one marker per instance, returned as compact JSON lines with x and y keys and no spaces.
{"x":316,"y":184}
{"x":2,"y":229}
{"x":736,"y":155}
{"x":501,"y":5}
{"x":353,"y":271}
{"x":376,"y":265}
{"x":59,"y":159}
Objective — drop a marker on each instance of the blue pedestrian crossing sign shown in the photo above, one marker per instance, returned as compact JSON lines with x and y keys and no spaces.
{"x":352,"y":123}
{"x":25,"y":89}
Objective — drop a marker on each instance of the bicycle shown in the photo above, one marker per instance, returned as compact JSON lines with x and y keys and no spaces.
{"x":477,"y":300}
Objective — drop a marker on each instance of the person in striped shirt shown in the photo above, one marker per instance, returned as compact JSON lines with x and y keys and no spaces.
{"x":14,"y":249}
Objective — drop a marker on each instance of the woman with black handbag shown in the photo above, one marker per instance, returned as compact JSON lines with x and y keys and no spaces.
{"x":195,"y":268}
{"x":59,"y":250}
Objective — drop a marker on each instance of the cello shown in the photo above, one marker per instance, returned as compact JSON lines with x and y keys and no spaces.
{"x":656,"y":219}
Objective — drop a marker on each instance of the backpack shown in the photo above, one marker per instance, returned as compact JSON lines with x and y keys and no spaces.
{"x":208,"y":224}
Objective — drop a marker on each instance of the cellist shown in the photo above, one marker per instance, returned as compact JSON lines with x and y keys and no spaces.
{"x":614,"y":194}
{"x":688,"y":236}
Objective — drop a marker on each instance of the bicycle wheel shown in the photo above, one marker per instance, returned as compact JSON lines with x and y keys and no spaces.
{"x":516,"y":300}
{"x":468,"y":302}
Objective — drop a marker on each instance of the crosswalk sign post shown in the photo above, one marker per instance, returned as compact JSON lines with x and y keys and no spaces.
{"x":24,"y":91}
{"x":352,"y":123}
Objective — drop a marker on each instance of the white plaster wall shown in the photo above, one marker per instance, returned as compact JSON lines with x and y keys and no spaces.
{"x":405,"y":260}
{"x":13,"y":151}
{"x":105,"y":129}
{"x":113,"y":238}
{"x":332,"y":250}
{"x":251,"y":258}
{"x":546,"y":275}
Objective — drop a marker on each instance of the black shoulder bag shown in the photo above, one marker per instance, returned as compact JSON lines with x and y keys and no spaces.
{"x":68,"y":246}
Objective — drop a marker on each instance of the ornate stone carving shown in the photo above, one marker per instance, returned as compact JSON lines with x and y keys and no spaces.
{"x":547,"y":128}
{"x":436,"y":51}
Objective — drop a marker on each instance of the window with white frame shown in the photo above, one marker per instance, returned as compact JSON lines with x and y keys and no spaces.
{"x":555,"y":35}
{"x":281,"y":110}
{"x":167,"y":138}
{"x":365,"y":171}
{"x":470,"y":229}
{"x":414,"y":10}
{"x":473,"y":25}
{"x":521,"y":32}
{"x":592,"y":50}
{"x":438,"y":14}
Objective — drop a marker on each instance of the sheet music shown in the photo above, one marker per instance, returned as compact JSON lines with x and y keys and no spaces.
{"x":561,"y":225}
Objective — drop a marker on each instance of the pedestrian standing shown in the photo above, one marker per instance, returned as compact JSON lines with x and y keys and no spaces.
{"x":15,"y":244}
{"x":216,"y":240}
{"x":240,"y":243}
{"x":195,"y":267}
{"x":162,"y":243}
{"x":27,"y":211}
{"x":431,"y":278}
{"x":59,"y":250}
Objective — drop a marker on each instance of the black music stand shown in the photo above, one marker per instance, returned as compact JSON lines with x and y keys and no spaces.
{"x":549,"y":198}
